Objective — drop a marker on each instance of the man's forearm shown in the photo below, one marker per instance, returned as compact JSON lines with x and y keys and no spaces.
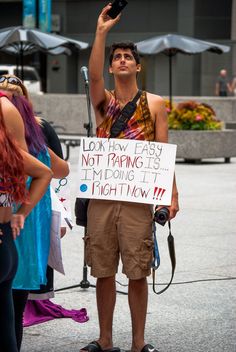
{"x":174,"y":189}
{"x":97,"y":57}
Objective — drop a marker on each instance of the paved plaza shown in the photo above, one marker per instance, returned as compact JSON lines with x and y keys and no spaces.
{"x":198,"y":312}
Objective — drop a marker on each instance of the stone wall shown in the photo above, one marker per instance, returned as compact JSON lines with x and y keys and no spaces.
{"x":66,"y":110}
{"x":197,"y":145}
{"x":70,"y":110}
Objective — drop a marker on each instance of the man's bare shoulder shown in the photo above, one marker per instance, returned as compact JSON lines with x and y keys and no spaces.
{"x":154,"y":98}
{"x":156,"y":104}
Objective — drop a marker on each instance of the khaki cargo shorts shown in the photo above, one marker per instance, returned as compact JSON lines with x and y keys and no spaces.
{"x":119,"y":229}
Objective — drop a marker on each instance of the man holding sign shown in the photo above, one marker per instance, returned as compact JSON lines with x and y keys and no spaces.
{"x":122,"y":228}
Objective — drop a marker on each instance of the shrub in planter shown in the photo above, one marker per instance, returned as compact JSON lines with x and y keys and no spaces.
{"x":191,"y":115}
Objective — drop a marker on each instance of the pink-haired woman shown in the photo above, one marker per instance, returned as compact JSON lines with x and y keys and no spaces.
{"x":15,"y":165}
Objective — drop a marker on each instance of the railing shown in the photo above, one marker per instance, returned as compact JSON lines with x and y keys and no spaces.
{"x":69,"y":141}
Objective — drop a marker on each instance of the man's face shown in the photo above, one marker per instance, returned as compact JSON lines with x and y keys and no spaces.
{"x":124,"y":63}
{"x":223,"y":73}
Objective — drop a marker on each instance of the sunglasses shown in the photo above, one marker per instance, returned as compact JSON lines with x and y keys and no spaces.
{"x":12,"y":80}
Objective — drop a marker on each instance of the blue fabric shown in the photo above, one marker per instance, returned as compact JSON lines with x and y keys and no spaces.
{"x":156,"y":255}
{"x":34,"y":241}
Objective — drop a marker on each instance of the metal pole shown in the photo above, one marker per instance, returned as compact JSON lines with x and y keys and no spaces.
{"x":22,"y":61}
{"x":37,"y":13}
{"x":170,"y":80}
{"x":89,"y":125}
{"x":84,"y":283}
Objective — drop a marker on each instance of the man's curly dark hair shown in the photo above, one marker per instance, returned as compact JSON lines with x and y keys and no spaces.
{"x":124,"y":45}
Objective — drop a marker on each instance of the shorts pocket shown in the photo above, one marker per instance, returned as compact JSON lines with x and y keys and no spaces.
{"x":146,"y":254}
{"x":148,"y":210}
{"x":88,"y":257}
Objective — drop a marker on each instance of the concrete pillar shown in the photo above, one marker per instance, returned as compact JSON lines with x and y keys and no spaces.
{"x":57,"y":65}
{"x":233,"y":36}
{"x":186,"y":64}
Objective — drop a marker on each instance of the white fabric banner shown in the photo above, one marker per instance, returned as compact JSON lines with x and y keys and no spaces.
{"x":58,"y":205}
{"x":62,"y":190}
{"x":127,"y":170}
{"x":55,"y":255}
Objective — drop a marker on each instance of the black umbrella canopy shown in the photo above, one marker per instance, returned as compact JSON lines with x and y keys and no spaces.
{"x":28,"y":37}
{"x":171,"y":44}
{"x":23,"y":41}
{"x":12,"y":50}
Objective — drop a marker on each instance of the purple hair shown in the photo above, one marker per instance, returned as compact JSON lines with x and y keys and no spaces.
{"x":33,"y":132}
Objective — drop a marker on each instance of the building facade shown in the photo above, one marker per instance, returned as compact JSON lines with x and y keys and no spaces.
{"x":212,"y":20}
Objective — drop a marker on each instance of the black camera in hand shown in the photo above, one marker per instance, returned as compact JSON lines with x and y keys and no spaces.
{"x":161,"y":216}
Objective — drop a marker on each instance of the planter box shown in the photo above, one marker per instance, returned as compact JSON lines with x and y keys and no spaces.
{"x":196,"y":145}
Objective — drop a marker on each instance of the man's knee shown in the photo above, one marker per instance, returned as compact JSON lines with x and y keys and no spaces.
{"x":138,"y":282}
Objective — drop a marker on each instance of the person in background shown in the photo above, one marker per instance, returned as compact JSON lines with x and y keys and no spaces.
{"x":15,"y":164}
{"x":47,"y":291}
{"x":233,"y":86}
{"x":117,"y":228}
{"x":52,"y":141}
{"x":36,"y":233}
{"x":223,"y":87}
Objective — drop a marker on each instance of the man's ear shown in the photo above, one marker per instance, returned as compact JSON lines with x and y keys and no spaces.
{"x":110,"y":69}
{"x":139,"y":68}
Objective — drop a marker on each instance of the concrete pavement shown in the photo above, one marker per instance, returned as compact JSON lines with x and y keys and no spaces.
{"x":198,"y":312}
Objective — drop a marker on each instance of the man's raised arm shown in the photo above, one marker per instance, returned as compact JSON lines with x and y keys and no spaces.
{"x":97,"y":59}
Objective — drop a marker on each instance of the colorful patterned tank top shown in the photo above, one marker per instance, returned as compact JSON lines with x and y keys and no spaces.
{"x":139,"y":127}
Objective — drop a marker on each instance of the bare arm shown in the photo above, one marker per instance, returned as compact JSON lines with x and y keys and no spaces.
{"x":161,"y":135}
{"x":233,"y":85}
{"x":96,"y":61}
{"x":174,"y":208}
{"x":60,"y":167}
{"x":230,"y":88}
{"x":14,"y":122}
{"x":41,"y":177}
{"x":161,"y":120}
{"x":217,"y":89}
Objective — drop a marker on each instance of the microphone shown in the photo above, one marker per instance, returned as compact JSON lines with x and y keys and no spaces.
{"x":84,"y":73}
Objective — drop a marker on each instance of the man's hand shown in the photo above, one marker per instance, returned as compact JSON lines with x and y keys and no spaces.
{"x":174,"y":207}
{"x":17,"y":224}
{"x":105,"y":23}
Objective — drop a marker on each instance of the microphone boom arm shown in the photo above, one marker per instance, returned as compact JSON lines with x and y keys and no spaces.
{"x":88,"y":126}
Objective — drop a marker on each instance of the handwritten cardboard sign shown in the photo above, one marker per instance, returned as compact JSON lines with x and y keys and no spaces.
{"x":127,"y":170}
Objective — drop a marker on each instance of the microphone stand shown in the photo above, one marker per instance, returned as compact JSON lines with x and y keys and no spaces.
{"x":84,"y":283}
{"x":89,"y":127}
